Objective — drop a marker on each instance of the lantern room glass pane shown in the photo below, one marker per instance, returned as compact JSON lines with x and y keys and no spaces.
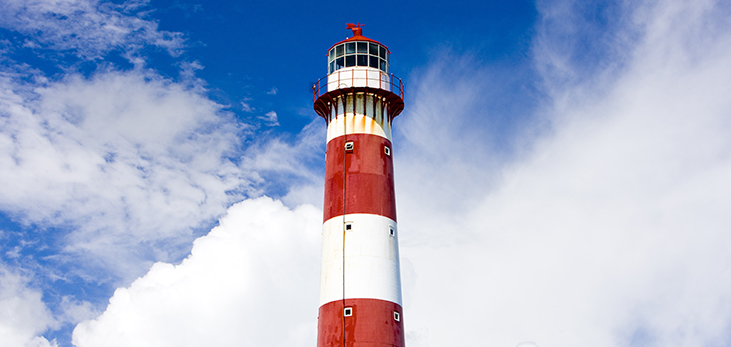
{"x":383,"y":65}
{"x":339,"y":63}
{"x":350,"y":47}
{"x":363,"y":47}
{"x":331,"y":56}
{"x":373,"y":62}
{"x":332,"y":67}
{"x":349,"y":60}
{"x":374,"y":48}
{"x":339,"y":51}
{"x":362,"y":60}
{"x":382,"y":52}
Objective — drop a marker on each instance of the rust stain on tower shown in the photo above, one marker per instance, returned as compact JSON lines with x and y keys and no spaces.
{"x":360,"y":280}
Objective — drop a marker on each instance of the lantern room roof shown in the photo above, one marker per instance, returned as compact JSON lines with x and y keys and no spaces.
{"x":358,"y":36}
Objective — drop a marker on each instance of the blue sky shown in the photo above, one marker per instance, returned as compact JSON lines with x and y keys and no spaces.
{"x":561,"y":171}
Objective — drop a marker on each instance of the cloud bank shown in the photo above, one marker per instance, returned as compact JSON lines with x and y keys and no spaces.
{"x":611,"y":228}
{"x":253,"y":278}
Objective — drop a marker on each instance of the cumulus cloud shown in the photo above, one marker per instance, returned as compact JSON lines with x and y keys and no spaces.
{"x":23,"y":315}
{"x":253,"y":280}
{"x":123,"y":159}
{"x":124,"y":167}
{"x":611,"y":228}
{"x":90,"y":28}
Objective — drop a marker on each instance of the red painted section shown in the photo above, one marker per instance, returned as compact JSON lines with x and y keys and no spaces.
{"x":369,"y":178}
{"x":357,"y":36}
{"x":372,"y":324}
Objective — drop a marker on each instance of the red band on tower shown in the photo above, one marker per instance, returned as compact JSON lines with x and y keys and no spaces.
{"x":360,"y":280}
{"x":369,"y":177}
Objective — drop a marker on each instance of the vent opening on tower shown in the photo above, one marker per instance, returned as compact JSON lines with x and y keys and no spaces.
{"x":396,"y":316}
{"x":348,"y":311}
{"x":348,"y":226}
{"x":387,"y":150}
{"x":391,"y":231}
{"x":349,"y":146}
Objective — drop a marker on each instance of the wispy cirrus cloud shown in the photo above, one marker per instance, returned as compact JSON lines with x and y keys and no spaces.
{"x":270,"y":119}
{"x":88,"y":28}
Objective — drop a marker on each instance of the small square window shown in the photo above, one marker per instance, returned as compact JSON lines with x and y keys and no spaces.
{"x":391,"y":231}
{"x":349,"y":146}
{"x":396,"y":316}
{"x":387,"y":150}
{"x":348,"y":226}
{"x":348,"y":311}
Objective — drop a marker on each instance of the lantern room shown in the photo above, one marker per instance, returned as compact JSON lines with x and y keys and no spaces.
{"x":359,"y":53}
{"x":358,"y":65}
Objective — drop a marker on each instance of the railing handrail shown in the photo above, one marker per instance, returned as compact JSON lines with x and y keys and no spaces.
{"x":397,"y":86}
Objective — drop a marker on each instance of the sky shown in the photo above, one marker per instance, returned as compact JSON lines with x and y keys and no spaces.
{"x":562,"y":171}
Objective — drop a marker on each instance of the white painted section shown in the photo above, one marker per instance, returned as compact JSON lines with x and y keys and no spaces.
{"x":366,"y":116}
{"x":371,"y":259}
{"x":359,"y":76}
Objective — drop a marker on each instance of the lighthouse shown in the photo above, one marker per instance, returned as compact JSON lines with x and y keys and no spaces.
{"x":360,"y":279}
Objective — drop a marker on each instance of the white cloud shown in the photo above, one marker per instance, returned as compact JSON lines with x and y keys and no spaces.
{"x":246,"y":107}
{"x":270,"y":118}
{"x":75,"y":311}
{"x":23,"y":315}
{"x":253,"y":280}
{"x":289,"y":164}
{"x":273,"y":91}
{"x":127,"y":160}
{"x":88,"y":27}
{"x":611,"y":229}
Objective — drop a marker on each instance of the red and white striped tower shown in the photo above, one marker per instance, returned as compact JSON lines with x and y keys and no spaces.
{"x":360,"y":284}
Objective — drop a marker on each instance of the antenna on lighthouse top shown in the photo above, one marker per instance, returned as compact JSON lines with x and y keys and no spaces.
{"x":357,"y":28}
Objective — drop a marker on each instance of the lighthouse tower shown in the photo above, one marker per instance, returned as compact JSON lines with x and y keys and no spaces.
{"x":360,"y":283}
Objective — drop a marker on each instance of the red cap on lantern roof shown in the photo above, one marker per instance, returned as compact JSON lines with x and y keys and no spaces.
{"x":358,"y":36}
